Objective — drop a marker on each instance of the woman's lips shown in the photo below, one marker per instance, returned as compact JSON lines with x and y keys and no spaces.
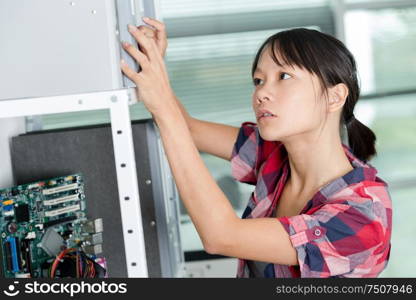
{"x":266,"y":117}
{"x":264,"y":113}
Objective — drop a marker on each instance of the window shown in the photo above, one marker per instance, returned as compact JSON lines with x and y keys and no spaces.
{"x":383,"y":42}
{"x":382,"y":37}
{"x":393,"y":120}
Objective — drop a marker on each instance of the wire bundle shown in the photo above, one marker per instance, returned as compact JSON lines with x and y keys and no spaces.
{"x":85,"y":266}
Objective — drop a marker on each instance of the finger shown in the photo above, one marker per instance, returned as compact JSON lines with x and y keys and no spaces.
{"x":160,"y":27}
{"x":130,"y":73}
{"x":149,"y":32}
{"x":143,"y":41}
{"x":136,"y":54}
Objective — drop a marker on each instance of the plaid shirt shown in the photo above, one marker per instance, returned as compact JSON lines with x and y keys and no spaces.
{"x":343,"y":231}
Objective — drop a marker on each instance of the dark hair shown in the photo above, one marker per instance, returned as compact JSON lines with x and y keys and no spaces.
{"x":333,"y":63}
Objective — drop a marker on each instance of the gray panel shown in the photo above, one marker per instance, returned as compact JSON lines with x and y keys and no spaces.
{"x":149,"y":8}
{"x":56,"y":47}
{"x":60,"y":47}
{"x":125,"y":16}
{"x":166,"y":206}
{"x":131,"y":12}
{"x":89,"y":150}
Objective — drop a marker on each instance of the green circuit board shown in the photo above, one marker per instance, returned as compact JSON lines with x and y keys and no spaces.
{"x":41,"y":219}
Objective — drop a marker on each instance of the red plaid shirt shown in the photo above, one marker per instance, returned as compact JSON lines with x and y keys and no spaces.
{"x":343,"y":231}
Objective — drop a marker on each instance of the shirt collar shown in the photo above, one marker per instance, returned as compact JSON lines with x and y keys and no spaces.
{"x":362,"y":172}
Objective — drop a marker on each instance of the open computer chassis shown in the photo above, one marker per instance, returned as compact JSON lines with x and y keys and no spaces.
{"x":45,"y":232}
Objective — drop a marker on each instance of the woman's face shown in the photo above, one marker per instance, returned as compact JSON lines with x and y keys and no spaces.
{"x":291,"y":94}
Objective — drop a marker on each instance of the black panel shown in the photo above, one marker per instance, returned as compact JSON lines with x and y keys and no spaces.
{"x":89,"y":151}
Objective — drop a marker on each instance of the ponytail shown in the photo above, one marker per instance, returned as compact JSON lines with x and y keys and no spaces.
{"x":361,"y":139}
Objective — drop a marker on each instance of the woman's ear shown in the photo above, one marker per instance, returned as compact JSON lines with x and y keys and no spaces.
{"x":337,"y":96}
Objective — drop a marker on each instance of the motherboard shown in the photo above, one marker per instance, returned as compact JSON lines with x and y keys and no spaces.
{"x":45,"y":232}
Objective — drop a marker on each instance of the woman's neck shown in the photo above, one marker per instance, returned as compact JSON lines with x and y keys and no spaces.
{"x":314,"y":164}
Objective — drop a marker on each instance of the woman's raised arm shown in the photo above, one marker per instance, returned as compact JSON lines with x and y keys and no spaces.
{"x":213,"y":138}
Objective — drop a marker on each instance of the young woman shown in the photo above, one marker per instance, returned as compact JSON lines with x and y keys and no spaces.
{"x":318,"y":208}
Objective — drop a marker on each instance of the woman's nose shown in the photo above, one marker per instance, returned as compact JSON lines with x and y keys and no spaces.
{"x":261,"y":98}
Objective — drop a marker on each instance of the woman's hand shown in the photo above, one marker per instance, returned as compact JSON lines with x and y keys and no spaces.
{"x":152,"y":81}
{"x":158,"y":33}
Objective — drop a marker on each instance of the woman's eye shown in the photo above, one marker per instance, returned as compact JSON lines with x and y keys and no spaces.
{"x":282,"y":75}
{"x":257,"y":81}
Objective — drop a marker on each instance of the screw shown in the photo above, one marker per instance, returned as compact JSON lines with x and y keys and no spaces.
{"x":148,"y":181}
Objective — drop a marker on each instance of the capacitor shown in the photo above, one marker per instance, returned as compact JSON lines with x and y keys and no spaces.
{"x":12,"y":227}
